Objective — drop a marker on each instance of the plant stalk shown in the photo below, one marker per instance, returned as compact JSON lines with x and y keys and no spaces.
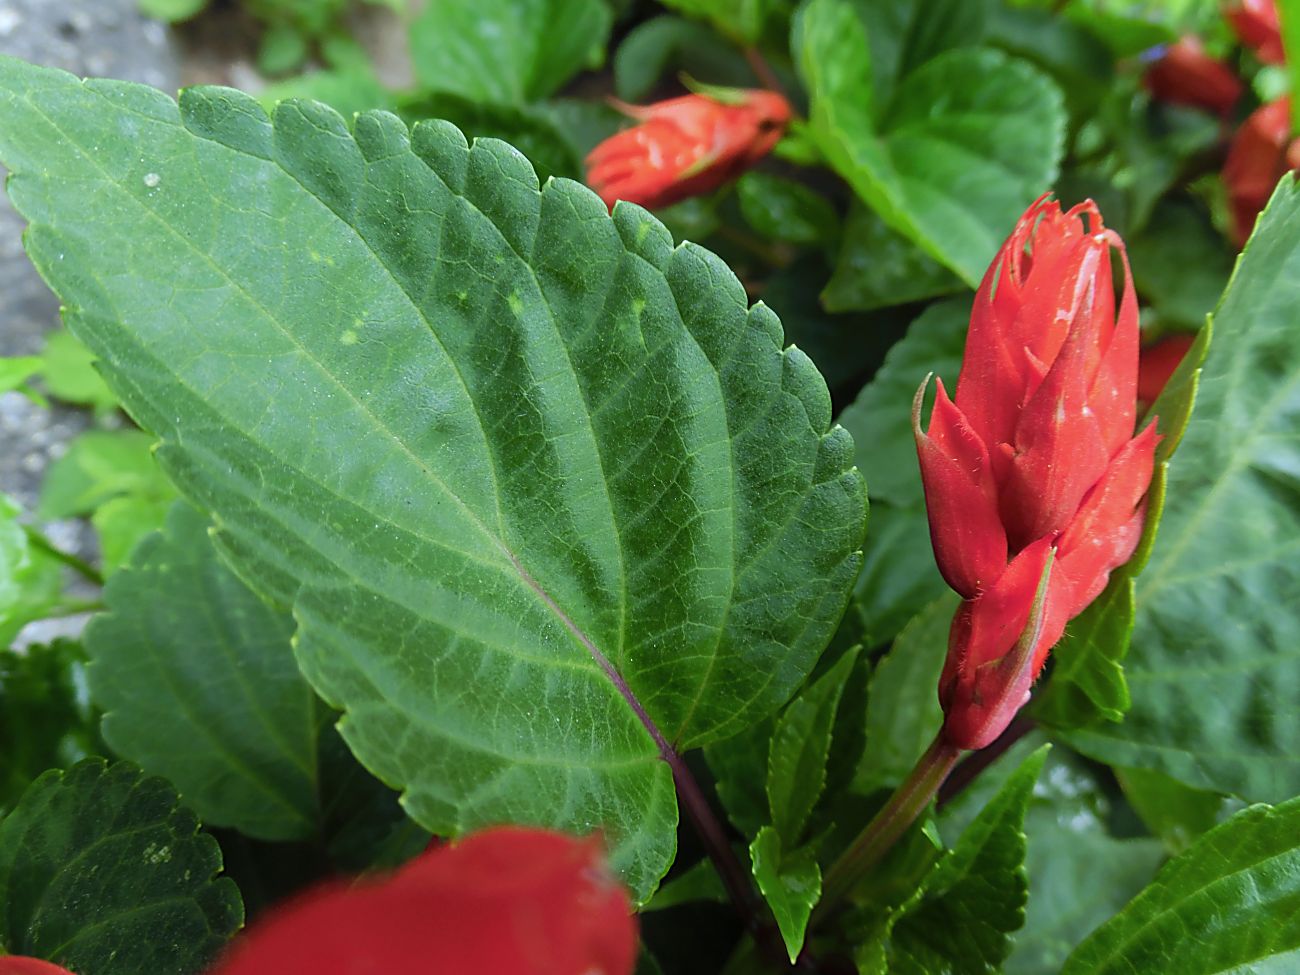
{"x":80,"y":566}
{"x":909,"y":800}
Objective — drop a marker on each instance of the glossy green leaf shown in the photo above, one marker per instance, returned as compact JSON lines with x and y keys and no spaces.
{"x":791,"y":885}
{"x":526,"y":453}
{"x":878,"y":267}
{"x":903,"y":713}
{"x":1234,"y":892}
{"x":1214,"y":668}
{"x":507,"y":51}
{"x":198,"y":683}
{"x":1176,"y":813}
{"x":103,"y":871}
{"x":68,"y":371}
{"x":801,"y":743}
{"x":30,"y":580}
{"x":699,"y":883}
{"x":968,"y":138}
{"x":46,"y":718}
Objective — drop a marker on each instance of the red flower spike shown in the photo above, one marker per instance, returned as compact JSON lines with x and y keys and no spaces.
{"x":1035,"y":485}
{"x":1257,"y":158}
{"x":19,"y":965}
{"x":970,"y":544}
{"x":1256,"y":25}
{"x":507,"y":901}
{"x":685,"y":147}
{"x":1156,"y":364}
{"x":1186,"y":75}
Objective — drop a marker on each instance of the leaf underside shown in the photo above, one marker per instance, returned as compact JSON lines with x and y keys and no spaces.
{"x":485,"y":440}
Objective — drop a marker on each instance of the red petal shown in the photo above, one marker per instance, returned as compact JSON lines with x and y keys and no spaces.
{"x":1186,"y":75}
{"x":960,"y":497}
{"x":1256,"y":161}
{"x":19,"y":965}
{"x":1114,"y":389}
{"x":506,"y":901}
{"x":1256,"y":24}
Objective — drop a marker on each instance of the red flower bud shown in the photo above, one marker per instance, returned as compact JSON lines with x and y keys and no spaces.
{"x":1256,"y":25}
{"x":507,"y":901}
{"x":19,"y":965}
{"x":1034,"y":482}
{"x":1256,"y":160}
{"x":685,"y":147}
{"x":1186,"y":75}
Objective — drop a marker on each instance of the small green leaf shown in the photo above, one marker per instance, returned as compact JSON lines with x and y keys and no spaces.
{"x":782,"y":209}
{"x":121,"y":522}
{"x":699,"y":883}
{"x":68,"y":371}
{"x":791,"y":885}
{"x":739,"y":767}
{"x":15,"y":371}
{"x":101,"y":464}
{"x":30,"y":579}
{"x":1226,"y":905}
{"x":507,"y":51}
{"x":1176,"y":813}
{"x":878,"y":267}
{"x":198,"y":683}
{"x":661,"y":45}
{"x":974,"y":898}
{"x":103,"y":871}
{"x":1216,"y":636}
{"x":968,"y":138}
{"x":46,"y":719}
{"x":796,"y":762}
{"x":501,"y":452}
{"x":171,"y":10}
{"x":903,"y":712}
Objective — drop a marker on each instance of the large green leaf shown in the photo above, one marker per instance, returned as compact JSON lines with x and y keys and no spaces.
{"x":953,"y":155}
{"x":1235,"y":892}
{"x":198,"y":683}
{"x":1214,"y":669}
{"x":512,"y":461}
{"x":507,"y":51}
{"x":101,"y":870}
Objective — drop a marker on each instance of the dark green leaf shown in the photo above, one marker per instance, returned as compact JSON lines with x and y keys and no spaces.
{"x":796,"y":761}
{"x":739,"y":767}
{"x":1181,"y":264}
{"x":899,"y":578}
{"x":1077,"y":60}
{"x":967,"y":140}
{"x":652,"y":50}
{"x":1214,"y":669}
{"x":1226,"y":905}
{"x":878,"y":267}
{"x":507,"y":51}
{"x":782,"y":209}
{"x":524,"y":446}
{"x":1176,"y":813}
{"x":198,"y":683}
{"x":101,"y":870}
{"x":741,"y":20}
{"x":903,"y":713}
{"x":791,"y":884}
{"x":700,"y":883}
{"x":46,"y":720}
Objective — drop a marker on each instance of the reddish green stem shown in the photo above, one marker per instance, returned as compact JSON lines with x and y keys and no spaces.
{"x":901,"y":810}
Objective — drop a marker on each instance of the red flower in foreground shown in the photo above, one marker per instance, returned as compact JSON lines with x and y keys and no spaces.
{"x":685,"y":147}
{"x":1034,"y":483}
{"x":1186,"y":75}
{"x":1257,"y":158}
{"x":18,"y":965}
{"x":1256,"y":24}
{"x":505,"y":901}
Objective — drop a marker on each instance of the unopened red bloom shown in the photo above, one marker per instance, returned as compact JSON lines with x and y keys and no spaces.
{"x":1256,"y":25}
{"x":506,"y":901}
{"x":1257,"y":159}
{"x":1034,"y":482}
{"x":1186,"y":75}
{"x":19,"y":965}
{"x":686,"y":146}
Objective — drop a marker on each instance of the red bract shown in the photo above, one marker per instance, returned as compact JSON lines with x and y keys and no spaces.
{"x":1186,"y":75}
{"x":1256,"y":25}
{"x":505,"y":901}
{"x":18,"y":965}
{"x":685,"y":147}
{"x":1034,"y":483}
{"x":1256,"y":160}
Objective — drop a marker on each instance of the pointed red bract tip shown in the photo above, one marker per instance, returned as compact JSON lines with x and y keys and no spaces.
{"x":685,"y":147}
{"x":1256,"y":25}
{"x":508,"y":901}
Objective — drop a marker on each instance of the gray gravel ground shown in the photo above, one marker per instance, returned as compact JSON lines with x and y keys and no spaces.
{"x":87,"y":37}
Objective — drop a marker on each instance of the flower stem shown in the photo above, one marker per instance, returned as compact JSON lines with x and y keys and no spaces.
{"x":901,"y":810}
{"x":80,"y":566}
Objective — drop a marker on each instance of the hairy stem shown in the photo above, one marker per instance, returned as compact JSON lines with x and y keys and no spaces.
{"x":901,"y":810}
